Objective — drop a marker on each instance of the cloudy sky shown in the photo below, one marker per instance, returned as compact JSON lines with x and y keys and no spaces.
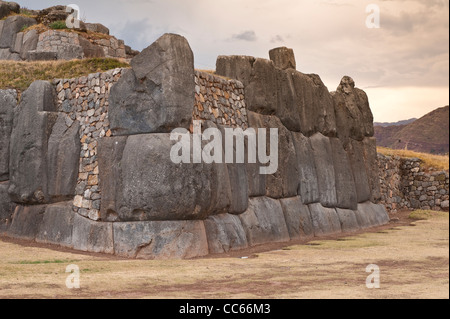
{"x":403,"y":65}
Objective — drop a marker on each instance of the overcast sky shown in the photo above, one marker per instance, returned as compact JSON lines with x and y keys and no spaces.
{"x":403,"y":65}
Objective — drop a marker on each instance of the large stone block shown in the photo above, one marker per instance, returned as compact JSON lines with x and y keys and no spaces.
{"x":8,"y":101}
{"x":372,"y":168}
{"x":323,"y":157}
{"x":355,"y":151}
{"x":57,"y":225}
{"x":225,"y":233}
{"x":283,"y":58}
{"x":298,"y":218}
{"x":264,"y":222}
{"x":152,"y":187}
{"x":157,"y":95}
{"x":308,"y":186}
{"x":354,"y":118}
{"x":6,"y":207}
{"x":304,"y":103}
{"x":345,"y":184}
{"x":160,"y":240}
{"x":30,"y":41}
{"x":348,"y":220}
{"x":285,"y":181}
{"x":235,"y":67}
{"x":96,"y":237}
{"x":11,"y":27}
{"x":26,"y":222}
{"x":110,"y":152}
{"x":374,"y":214}
{"x":33,"y":123}
{"x":63,"y":159}
{"x":325,"y":220}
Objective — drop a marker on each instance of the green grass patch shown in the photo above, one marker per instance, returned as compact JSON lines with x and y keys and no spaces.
{"x":58,"y":25}
{"x":19,"y":75}
{"x":39,"y":262}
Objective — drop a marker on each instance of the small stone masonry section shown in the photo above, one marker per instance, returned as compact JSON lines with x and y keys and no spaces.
{"x":86,"y":100}
{"x":220,"y":101}
{"x":407,"y":184}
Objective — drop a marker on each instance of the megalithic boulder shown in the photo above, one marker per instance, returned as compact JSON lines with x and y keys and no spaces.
{"x":33,"y":122}
{"x":8,"y":101}
{"x":157,"y":94}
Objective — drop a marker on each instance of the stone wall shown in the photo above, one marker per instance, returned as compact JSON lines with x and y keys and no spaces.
{"x":406,"y":183}
{"x":93,"y":171}
{"x":86,"y":100}
{"x":219,"y":100}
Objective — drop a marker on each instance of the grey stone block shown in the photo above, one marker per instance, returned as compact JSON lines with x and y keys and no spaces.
{"x":11,"y":26}
{"x":349,"y":222}
{"x":325,"y":220}
{"x":160,"y":240}
{"x":283,"y":58}
{"x":157,"y":95}
{"x":323,"y":157}
{"x":308,"y":186}
{"x":26,"y":222}
{"x":6,"y":208}
{"x":225,"y":233}
{"x":264,"y":222}
{"x":298,"y":218}
{"x":355,"y":151}
{"x":8,"y":101}
{"x":57,"y":224}
{"x":90,"y":236}
{"x":345,"y":184}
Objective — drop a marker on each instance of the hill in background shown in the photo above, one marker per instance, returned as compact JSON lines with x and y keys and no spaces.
{"x":386,"y":124}
{"x":429,"y":134}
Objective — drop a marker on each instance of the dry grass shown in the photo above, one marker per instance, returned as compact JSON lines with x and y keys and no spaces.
{"x":19,"y":75}
{"x":440,"y":162}
{"x":213,"y":72}
{"x":413,"y":262}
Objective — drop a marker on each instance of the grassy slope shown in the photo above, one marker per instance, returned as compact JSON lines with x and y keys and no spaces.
{"x":440,"y":162}
{"x":19,"y":75}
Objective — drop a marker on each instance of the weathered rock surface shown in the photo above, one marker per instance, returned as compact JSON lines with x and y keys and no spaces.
{"x":97,"y":27}
{"x":52,"y":14}
{"x":298,"y":218}
{"x":323,"y":157}
{"x":30,"y":41}
{"x":354,"y":118}
{"x":91,"y":236}
{"x":348,"y":220}
{"x":33,"y":123}
{"x":57,"y":225}
{"x":157,"y":95}
{"x":374,"y":214}
{"x":283,"y":58}
{"x":308,"y":186}
{"x":8,"y":101}
{"x":225,"y":233}
{"x":11,"y":26}
{"x":264,"y":222}
{"x":160,"y":240}
{"x":373,"y":174}
{"x":26,"y":222}
{"x":6,"y":207}
{"x":284,"y":182}
{"x":7,"y":8}
{"x":63,"y":159}
{"x":355,"y":151}
{"x":345,"y":184}
{"x":325,"y":220}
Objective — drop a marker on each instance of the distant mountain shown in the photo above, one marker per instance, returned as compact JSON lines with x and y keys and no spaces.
{"x":429,"y":134}
{"x":387,"y":124}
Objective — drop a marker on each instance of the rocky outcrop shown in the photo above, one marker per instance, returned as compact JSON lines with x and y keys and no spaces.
{"x":18,"y":42}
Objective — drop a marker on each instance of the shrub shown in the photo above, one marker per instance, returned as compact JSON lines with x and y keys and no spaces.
{"x":58,"y":25}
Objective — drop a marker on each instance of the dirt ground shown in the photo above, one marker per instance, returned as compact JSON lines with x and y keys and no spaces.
{"x":413,"y":258}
